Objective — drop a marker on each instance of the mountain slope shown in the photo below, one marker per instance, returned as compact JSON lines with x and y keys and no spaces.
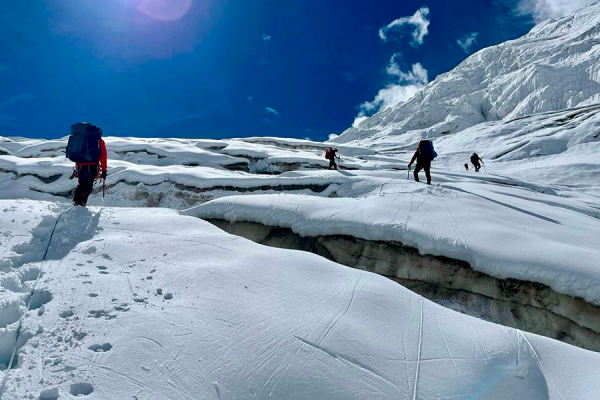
{"x":555,"y":66}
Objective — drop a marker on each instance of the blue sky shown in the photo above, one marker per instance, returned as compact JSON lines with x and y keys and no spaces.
{"x":216,"y":68}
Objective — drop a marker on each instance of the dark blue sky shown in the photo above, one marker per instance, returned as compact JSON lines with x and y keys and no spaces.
{"x":232,"y":68}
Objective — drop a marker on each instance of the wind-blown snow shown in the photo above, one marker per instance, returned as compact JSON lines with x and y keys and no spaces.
{"x":144,"y":303}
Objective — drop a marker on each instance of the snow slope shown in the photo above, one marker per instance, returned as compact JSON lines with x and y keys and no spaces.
{"x":549,"y":228}
{"x":557,"y":148}
{"x":502,"y":230}
{"x":555,"y":66}
{"x":147,"y":304}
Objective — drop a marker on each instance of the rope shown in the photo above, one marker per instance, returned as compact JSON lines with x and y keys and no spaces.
{"x":31,"y":292}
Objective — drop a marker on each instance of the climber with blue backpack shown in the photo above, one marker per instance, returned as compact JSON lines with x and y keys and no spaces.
{"x":424,"y":155}
{"x":88,"y":151}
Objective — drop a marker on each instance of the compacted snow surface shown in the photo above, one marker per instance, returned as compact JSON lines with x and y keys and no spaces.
{"x":132,"y":299}
{"x":147,"y":304}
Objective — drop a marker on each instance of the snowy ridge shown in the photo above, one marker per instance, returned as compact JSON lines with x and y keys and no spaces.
{"x":555,"y":66}
{"x":126,"y":309}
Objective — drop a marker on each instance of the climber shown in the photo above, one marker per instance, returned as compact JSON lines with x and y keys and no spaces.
{"x":88,"y":151}
{"x":330,"y":154}
{"x":424,"y":155}
{"x":475,"y":161}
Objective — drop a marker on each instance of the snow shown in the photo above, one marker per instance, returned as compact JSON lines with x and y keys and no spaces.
{"x":131,"y":302}
{"x":554,"y":67}
{"x":557,"y":220}
{"x":145,"y":303}
{"x":504,"y":231}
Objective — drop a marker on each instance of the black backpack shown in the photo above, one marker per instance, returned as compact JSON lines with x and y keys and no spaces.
{"x":426,"y":150}
{"x":84,"y":143}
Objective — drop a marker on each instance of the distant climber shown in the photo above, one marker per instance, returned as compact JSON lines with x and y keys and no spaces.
{"x":424,"y":155}
{"x":467,"y":166}
{"x":330,"y":154}
{"x":475,"y":161}
{"x":88,"y":151}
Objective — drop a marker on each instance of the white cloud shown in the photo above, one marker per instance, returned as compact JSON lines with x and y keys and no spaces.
{"x":541,"y":10}
{"x":468,"y":41}
{"x":270,"y":110}
{"x":404,"y":86}
{"x":418,"y":74}
{"x":419,"y":21}
{"x":332,"y":136}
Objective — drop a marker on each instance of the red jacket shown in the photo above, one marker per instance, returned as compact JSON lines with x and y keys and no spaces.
{"x":415,"y":156}
{"x":102,"y":160}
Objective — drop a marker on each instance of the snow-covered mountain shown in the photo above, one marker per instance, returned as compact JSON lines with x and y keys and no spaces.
{"x":555,"y":66}
{"x":141,"y":295}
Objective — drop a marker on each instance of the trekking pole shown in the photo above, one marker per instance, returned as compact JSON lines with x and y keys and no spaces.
{"x":103,"y":187}
{"x":408,"y":174}
{"x":484,"y":167}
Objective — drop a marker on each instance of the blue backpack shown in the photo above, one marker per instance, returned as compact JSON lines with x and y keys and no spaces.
{"x":84,"y":143}
{"x":426,"y":150}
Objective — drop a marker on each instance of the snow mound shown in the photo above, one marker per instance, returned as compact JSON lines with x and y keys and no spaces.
{"x":504,"y":231}
{"x":151,"y":304}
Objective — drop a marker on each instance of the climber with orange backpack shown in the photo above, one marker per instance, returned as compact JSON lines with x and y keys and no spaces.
{"x":88,"y":151}
{"x":330,"y":154}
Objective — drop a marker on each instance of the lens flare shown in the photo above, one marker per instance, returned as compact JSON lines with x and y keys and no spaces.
{"x":164,"y":10}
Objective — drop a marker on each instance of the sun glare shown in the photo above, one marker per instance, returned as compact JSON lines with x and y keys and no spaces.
{"x":165,"y":10}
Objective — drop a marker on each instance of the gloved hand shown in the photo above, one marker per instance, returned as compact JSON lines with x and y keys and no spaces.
{"x":103,"y":175}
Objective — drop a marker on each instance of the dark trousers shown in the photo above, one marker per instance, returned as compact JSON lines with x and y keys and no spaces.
{"x":426,"y":165}
{"x":477,"y":166}
{"x":332,"y":163}
{"x":86,"y":175}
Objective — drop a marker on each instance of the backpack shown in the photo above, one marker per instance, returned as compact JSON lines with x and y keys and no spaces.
{"x":426,"y":150}
{"x":327,"y":153}
{"x":474,"y":158}
{"x":84,"y":143}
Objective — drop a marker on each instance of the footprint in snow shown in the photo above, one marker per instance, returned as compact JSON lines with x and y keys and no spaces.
{"x":49,"y":394}
{"x":81,"y":389}
{"x":67,"y":313}
{"x":123,"y":307}
{"x":100,"y":348}
{"x":101,"y":314}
